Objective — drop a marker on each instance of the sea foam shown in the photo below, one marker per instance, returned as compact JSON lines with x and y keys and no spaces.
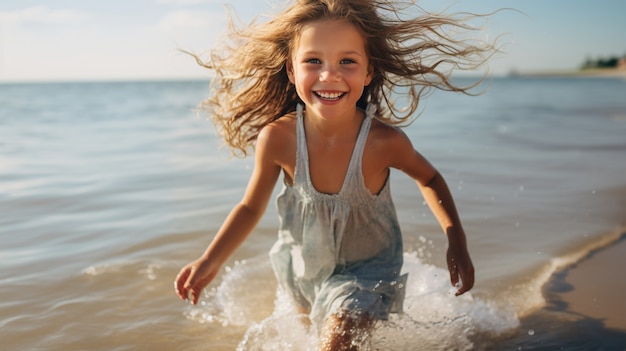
{"x":433,"y":318}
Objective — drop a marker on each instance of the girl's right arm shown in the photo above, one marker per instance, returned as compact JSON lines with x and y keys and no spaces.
{"x":195,"y":276}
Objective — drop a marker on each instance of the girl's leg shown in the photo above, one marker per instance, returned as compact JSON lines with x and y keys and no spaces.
{"x":345,"y":332}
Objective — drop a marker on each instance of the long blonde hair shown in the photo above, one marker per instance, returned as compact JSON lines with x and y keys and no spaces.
{"x":410,"y":55}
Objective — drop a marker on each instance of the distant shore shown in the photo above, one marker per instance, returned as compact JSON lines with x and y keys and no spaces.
{"x":591,"y":73}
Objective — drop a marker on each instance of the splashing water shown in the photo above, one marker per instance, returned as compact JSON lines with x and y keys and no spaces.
{"x":433,"y":317}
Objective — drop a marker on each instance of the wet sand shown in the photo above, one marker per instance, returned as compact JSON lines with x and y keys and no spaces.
{"x":585,"y":309}
{"x":594,"y":287}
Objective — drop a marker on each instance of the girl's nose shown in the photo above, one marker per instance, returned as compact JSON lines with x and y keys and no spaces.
{"x":329,"y":73}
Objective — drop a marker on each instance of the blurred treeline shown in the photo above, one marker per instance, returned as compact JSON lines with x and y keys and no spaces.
{"x":604,"y":62}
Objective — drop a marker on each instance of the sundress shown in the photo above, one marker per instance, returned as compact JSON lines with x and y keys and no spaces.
{"x":338,"y":253}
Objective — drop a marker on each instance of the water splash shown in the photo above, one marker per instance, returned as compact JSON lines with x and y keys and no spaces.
{"x":434,"y":318}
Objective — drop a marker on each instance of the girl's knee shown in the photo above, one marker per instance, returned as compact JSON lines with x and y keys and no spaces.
{"x":346,"y":331}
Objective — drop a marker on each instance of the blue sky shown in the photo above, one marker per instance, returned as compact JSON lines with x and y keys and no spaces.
{"x":137,"y":39}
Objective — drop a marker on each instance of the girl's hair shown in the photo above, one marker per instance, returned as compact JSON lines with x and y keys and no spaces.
{"x":410,"y":54}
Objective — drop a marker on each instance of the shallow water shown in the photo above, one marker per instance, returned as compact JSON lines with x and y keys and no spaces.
{"x":107,"y":189}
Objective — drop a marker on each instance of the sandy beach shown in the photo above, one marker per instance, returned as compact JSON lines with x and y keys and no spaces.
{"x":585,"y":307}
{"x":595,"y":287}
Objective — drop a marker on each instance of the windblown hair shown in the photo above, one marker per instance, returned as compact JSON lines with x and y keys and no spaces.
{"x":411,"y":55}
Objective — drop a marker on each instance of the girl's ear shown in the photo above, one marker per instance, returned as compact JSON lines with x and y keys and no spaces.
{"x":370,"y":74}
{"x":289,"y":68}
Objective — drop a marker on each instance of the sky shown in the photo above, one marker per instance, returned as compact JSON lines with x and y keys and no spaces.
{"x":82,"y":40}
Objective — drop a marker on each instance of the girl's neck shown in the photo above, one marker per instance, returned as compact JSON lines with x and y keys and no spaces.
{"x":337,"y":129}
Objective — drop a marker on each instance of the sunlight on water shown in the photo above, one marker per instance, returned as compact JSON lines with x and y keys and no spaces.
{"x":108,"y":189}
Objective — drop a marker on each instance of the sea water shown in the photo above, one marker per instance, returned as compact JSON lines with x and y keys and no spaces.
{"x":107,"y":189}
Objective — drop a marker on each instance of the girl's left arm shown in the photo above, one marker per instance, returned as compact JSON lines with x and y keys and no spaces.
{"x":440,"y":201}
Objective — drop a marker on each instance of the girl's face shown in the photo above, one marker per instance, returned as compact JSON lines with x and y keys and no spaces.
{"x":330,"y":67}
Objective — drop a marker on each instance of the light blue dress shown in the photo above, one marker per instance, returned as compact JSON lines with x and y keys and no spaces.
{"x":341,"y":252}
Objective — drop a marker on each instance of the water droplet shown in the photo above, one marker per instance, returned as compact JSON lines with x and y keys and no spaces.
{"x":531,"y":332}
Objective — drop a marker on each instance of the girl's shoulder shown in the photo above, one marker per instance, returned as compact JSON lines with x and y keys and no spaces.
{"x":388,"y":146}
{"x":386,"y":135}
{"x":279,"y":135}
{"x":283,"y":127}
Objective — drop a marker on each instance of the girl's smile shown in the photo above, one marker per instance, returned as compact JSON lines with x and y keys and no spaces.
{"x":329,"y":95}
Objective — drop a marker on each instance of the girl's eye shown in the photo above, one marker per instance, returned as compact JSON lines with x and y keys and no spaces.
{"x":313,"y":60}
{"x":346,"y":61}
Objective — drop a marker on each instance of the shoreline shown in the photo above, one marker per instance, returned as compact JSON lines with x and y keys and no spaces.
{"x":585,"y":307}
{"x":593,"y":287}
{"x":586,"y":73}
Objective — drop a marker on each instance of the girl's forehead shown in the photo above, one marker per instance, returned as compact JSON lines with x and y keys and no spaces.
{"x":323,"y":23}
{"x":328,"y":30}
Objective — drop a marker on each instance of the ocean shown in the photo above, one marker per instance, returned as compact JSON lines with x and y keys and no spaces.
{"x":108,"y":188}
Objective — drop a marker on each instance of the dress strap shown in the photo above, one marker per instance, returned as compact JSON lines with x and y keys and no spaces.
{"x":357,"y":153}
{"x":354,"y":178}
{"x":302,"y":158}
{"x":370,"y":111}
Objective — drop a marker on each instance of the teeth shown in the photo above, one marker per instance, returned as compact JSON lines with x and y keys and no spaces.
{"x":330,"y":96}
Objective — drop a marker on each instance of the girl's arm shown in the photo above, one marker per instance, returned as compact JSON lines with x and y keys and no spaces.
{"x":440,"y":201}
{"x":195,"y":276}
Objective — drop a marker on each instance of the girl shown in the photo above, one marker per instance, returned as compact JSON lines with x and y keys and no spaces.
{"x":312,"y":90}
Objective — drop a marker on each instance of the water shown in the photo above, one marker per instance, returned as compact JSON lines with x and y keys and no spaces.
{"x":107,"y":189}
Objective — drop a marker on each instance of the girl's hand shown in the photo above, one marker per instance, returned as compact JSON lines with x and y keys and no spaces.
{"x":460,"y":267}
{"x":193,"y":278}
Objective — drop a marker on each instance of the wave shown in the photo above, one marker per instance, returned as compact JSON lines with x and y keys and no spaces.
{"x":147,"y":270}
{"x":528,"y":296}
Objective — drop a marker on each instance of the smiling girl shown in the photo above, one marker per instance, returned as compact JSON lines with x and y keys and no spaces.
{"x":311,"y":91}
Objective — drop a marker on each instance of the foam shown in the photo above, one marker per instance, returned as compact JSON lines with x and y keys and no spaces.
{"x":433,"y":318}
